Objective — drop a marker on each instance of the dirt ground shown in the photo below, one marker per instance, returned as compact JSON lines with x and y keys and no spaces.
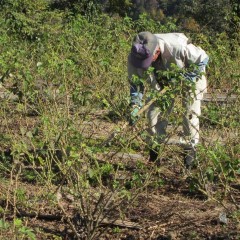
{"x":170,"y":211}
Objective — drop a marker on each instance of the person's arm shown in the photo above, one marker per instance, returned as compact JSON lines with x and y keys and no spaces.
{"x":137,"y":90}
{"x":152,"y":81}
{"x":136,"y":86}
{"x":198,"y":57}
{"x":136,"y":94}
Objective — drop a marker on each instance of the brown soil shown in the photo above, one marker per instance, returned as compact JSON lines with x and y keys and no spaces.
{"x":169,"y":211}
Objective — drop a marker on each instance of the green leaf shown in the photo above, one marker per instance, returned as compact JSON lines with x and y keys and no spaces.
{"x":29,"y":134}
{"x":17,"y":222}
{"x":3,"y":224}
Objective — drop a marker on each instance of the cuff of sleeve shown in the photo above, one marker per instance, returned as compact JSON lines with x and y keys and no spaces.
{"x":136,"y":99}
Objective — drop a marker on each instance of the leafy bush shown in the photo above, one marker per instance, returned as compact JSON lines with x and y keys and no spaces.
{"x":67,"y":69}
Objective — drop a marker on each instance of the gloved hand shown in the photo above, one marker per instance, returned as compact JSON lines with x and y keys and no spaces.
{"x":134,"y":115}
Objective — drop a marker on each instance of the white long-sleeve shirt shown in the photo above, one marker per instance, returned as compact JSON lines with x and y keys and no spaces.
{"x":175,"y":48}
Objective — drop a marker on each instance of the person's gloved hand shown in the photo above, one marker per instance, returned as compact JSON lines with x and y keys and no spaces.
{"x":134,"y":115}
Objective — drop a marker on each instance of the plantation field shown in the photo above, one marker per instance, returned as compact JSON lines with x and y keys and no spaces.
{"x":170,"y":212}
{"x":70,"y":168}
{"x":169,"y":206}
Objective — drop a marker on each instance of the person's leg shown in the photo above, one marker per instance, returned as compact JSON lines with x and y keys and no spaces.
{"x":192,"y":107}
{"x":157,"y":128}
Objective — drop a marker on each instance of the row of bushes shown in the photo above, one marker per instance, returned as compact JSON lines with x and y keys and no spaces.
{"x":64,"y":66}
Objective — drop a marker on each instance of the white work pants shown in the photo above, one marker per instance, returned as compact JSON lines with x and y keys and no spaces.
{"x":191,"y":102}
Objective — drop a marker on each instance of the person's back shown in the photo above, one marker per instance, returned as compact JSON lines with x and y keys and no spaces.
{"x":177,"y":49}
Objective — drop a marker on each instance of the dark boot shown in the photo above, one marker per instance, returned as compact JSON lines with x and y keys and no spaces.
{"x":153,"y":155}
{"x":189,"y":157}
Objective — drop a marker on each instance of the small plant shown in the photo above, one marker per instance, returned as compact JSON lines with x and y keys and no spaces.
{"x":23,"y":231}
{"x":16,"y":230}
{"x":218,"y":167}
